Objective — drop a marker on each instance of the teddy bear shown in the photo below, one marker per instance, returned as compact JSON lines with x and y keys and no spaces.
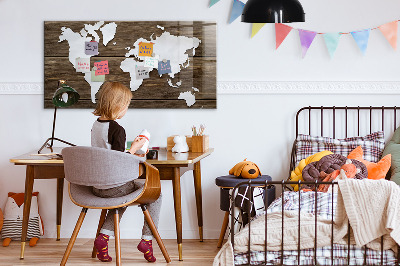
{"x":180,"y":144}
{"x":245,"y":169}
{"x":13,"y":215}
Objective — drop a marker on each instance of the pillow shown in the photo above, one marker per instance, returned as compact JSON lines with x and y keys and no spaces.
{"x":296,"y":174}
{"x":372,"y":144}
{"x":375,"y":170}
{"x":393,"y":148}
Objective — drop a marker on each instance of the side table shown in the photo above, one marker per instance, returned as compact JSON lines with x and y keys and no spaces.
{"x":226,"y":183}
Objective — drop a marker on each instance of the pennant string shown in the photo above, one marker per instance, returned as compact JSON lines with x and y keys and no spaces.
{"x":344,"y":33}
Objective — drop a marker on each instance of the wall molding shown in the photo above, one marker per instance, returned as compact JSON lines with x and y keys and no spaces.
{"x":309,"y":87}
{"x":260,"y":87}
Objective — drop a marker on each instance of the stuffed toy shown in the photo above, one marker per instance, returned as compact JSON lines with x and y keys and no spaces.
{"x":296,"y":174}
{"x":13,"y":215}
{"x":245,"y":169}
{"x":1,"y":219}
{"x":180,"y":144}
{"x":375,"y":170}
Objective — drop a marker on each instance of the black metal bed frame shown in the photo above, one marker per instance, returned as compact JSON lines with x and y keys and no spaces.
{"x":283,"y":184}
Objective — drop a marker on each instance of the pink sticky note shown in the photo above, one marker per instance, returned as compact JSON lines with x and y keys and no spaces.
{"x":102,"y":68}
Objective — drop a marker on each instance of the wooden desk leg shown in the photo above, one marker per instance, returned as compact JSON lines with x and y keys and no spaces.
{"x":60,"y":191}
{"x":27,"y":206}
{"x":176,"y":184}
{"x":199,"y":204}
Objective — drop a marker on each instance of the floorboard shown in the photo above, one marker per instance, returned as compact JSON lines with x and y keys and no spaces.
{"x":50,"y":252}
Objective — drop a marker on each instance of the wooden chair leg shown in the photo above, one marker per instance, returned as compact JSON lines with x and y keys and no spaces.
{"x":101,"y":222}
{"x":154,"y":230}
{"x":117,"y":238}
{"x":223,"y":229}
{"x":73,"y":237}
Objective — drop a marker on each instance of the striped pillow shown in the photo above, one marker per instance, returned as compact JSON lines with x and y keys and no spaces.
{"x":372,"y":145}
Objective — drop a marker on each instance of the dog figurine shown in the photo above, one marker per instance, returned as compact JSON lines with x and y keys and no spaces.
{"x":245,"y":169}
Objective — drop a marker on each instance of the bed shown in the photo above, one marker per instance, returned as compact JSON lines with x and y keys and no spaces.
{"x":298,"y":227}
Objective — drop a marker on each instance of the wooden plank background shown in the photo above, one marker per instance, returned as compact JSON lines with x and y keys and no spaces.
{"x":155,"y":91}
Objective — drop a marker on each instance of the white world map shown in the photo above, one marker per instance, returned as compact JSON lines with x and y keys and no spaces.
{"x":165,"y":47}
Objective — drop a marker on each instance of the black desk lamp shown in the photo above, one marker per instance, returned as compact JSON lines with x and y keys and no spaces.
{"x":273,"y":11}
{"x":63,"y":97}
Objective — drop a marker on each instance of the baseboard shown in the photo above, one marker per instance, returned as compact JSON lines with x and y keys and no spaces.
{"x":259,"y":87}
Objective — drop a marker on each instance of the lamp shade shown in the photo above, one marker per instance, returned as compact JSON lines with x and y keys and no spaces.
{"x":65,"y":96}
{"x":273,"y":11}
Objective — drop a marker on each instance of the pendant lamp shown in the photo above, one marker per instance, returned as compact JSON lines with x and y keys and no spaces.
{"x":63,"y":97}
{"x":272,"y":11}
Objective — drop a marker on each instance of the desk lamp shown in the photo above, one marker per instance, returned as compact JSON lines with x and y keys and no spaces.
{"x":272,"y":11}
{"x":63,"y":97}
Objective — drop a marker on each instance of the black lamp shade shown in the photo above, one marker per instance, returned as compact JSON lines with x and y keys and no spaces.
{"x":65,"y":96}
{"x":273,"y":11}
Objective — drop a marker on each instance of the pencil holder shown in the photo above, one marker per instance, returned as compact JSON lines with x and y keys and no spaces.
{"x":200,"y":143}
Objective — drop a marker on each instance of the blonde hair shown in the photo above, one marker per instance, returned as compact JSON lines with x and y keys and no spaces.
{"x":112,"y":98}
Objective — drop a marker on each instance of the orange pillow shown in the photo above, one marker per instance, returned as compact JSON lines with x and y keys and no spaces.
{"x":375,"y":170}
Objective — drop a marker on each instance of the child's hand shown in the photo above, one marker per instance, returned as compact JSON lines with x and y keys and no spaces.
{"x":143,"y":155}
{"x":137,"y":144}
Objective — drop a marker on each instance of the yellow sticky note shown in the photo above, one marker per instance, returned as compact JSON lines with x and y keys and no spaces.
{"x":145,"y":49}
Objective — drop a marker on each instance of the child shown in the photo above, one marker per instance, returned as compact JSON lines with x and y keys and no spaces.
{"x":113,"y":102}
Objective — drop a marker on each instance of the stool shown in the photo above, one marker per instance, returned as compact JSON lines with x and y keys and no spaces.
{"x":226,"y":183}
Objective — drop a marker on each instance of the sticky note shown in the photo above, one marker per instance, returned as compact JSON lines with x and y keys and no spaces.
{"x":82,"y":65}
{"x":92,"y":48}
{"x":98,"y":78}
{"x":164,"y":67}
{"x":142,"y":72}
{"x":145,"y":48}
{"x":151,"y":62}
{"x":102,"y":68}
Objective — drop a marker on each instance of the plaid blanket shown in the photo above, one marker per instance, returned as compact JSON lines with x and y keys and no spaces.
{"x":323,"y":205}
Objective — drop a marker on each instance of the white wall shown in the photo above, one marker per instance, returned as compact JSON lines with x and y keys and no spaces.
{"x":258,"y":127}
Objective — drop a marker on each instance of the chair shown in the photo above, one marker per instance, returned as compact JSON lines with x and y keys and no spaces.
{"x":85,"y":167}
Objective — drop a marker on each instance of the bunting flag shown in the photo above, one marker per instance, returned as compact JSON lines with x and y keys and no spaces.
{"x":237,"y":9}
{"x":213,"y":2}
{"x":256,"y":28}
{"x":361,"y":37}
{"x":281,"y":31}
{"x":332,"y":41}
{"x":389,"y":30}
{"x":306,"y":39}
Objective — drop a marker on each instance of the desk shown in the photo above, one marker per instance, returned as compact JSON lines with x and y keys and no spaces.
{"x":169,"y":165}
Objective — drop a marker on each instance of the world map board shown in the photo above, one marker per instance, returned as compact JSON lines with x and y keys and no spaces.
{"x":165,"y":64}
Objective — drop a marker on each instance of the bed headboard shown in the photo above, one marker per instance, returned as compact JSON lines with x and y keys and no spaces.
{"x":344,"y":121}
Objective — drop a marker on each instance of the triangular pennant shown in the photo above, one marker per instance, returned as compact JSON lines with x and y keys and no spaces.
{"x":213,"y":2}
{"x":332,"y":41}
{"x":281,"y":31}
{"x":389,"y":30}
{"x":361,"y":37}
{"x":306,"y":39}
{"x":256,"y":28}
{"x":237,"y":9}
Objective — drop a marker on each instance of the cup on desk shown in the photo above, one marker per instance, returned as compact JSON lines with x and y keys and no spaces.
{"x":152,"y":155}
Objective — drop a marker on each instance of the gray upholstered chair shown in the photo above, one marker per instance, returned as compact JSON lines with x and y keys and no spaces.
{"x":85,"y":167}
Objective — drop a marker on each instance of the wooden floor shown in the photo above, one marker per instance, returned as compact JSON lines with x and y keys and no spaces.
{"x":50,"y":252}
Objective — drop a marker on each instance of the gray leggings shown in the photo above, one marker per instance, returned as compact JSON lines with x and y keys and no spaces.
{"x":154,"y":208}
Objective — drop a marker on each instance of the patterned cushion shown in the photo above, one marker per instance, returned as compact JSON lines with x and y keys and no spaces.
{"x":372,"y":144}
